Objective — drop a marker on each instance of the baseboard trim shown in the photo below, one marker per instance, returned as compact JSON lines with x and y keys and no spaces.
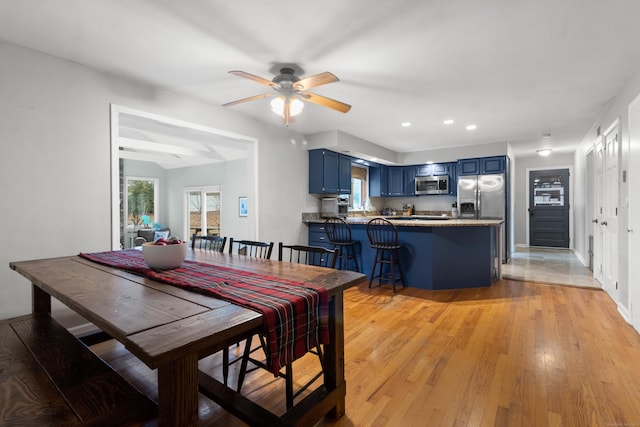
{"x":625,"y":314}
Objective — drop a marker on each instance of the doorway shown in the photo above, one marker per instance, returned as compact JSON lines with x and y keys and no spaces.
{"x":549,"y":208}
{"x":172,"y":144}
{"x":609,"y":212}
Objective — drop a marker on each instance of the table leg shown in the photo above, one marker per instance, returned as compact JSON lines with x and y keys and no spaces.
{"x":40,"y":300}
{"x":178,"y":392}
{"x":334,"y":354}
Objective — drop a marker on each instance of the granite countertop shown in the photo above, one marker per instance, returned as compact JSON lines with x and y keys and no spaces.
{"x":411,"y":221}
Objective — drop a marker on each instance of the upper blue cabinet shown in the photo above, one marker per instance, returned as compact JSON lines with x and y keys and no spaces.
{"x":391,"y":181}
{"x":489,"y":165}
{"x":329,"y":172}
{"x":395,"y":181}
{"x":434,"y":169}
{"x":482,"y":166}
{"x":378,"y":181}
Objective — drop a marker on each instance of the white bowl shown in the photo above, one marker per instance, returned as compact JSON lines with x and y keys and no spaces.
{"x":166,"y":257}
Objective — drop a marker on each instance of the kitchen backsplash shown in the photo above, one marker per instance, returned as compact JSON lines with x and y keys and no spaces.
{"x":423,"y":205}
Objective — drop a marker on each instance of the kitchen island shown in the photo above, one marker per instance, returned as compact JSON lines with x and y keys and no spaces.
{"x":436,"y":253}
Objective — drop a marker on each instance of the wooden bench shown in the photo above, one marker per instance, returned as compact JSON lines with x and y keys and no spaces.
{"x":49,"y":378}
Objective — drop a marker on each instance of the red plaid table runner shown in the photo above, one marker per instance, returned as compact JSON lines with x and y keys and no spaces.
{"x":295,"y":313}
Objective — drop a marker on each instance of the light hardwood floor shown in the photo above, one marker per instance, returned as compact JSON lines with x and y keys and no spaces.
{"x":513,"y":354}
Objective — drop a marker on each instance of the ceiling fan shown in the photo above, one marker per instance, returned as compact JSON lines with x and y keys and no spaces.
{"x":291,"y":90}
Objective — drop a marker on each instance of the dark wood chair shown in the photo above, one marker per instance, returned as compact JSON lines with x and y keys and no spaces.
{"x":339,"y":235}
{"x":310,"y":255}
{"x":212,"y":243}
{"x":383,"y":237}
{"x":299,"y":254}
{"x":251,"y":248}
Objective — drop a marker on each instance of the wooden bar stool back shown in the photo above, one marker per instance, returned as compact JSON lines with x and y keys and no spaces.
{"x":339,"y":235}
{"x":383,"y":237}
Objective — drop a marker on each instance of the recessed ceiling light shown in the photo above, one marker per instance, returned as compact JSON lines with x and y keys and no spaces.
{"x":448,"y":122}
{"x":405,"y":124}
{"x":471,"y":127}
{"x":544,"y":152}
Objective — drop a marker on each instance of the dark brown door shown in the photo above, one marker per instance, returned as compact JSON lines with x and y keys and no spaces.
{"x":549,"y":208}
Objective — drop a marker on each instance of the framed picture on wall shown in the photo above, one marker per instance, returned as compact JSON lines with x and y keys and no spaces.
{"x":243,"y":210}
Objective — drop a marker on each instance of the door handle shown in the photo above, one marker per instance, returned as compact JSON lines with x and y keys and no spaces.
{"x":530,"y":211}
{"x":595,"y":221}
{"x":604,"y":223}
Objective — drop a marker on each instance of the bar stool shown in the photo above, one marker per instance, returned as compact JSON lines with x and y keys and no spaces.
{"x":339,"y":234}
{"x":383,"y":237}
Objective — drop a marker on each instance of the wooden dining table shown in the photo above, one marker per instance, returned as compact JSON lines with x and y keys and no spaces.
{"x":170,"y":329}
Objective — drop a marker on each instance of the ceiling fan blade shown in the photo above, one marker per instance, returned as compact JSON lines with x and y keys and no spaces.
{"x":317,"y":80}
{"x":326,"y":102}
{"x":253,"y":77}
{"x":251,"y":98}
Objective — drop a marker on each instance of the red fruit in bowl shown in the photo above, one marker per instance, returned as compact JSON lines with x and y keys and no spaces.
{"x":161,"y":241}
{"x":174,"y":240}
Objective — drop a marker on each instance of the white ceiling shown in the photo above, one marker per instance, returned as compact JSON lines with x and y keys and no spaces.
{"x":516,"y":68}
{"x":173,"y":144}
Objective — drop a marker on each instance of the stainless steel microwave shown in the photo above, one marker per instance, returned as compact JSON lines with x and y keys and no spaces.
{"x":432,"y":184}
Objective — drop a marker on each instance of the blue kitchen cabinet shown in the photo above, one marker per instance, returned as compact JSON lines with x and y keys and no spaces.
{"x":453,"y":178}
{"x":329,"y":172}
{"x":490,"y":165}
{"x":482,"y":166}
{"x":378,"y":181}
{"x":409,"y":179}
{"x":395,"y":181}
{"x":433,"y":169}
{"x":318,"y":236}
{"x":431,"y":257}
{"x":468,"y":167}
{"x":344,"y":174}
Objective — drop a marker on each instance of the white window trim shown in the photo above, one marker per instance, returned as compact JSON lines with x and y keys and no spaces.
{"x":203,"y":207}
{"x":156,"y":195}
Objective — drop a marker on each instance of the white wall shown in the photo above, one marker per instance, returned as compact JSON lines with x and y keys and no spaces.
{"x":519,"y":181}
{"x":617,"y":110}
{"x":55,"y":163}
{"x":230,"y":176}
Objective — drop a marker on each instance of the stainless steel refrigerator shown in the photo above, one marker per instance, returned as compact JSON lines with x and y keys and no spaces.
{"x":485,"y":197}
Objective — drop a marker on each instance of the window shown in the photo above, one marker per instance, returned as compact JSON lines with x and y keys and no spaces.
{"x":141,"y":202}
{"x":202,"y":206}
{"x":359,"y":188}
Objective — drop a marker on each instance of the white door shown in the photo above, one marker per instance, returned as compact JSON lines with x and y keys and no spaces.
{"x":610,"y":211}
{"x":634,"y":212}
{"x":598,"y":245}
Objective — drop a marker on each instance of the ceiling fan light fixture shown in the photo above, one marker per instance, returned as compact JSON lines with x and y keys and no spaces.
{"x":295,"y":106}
